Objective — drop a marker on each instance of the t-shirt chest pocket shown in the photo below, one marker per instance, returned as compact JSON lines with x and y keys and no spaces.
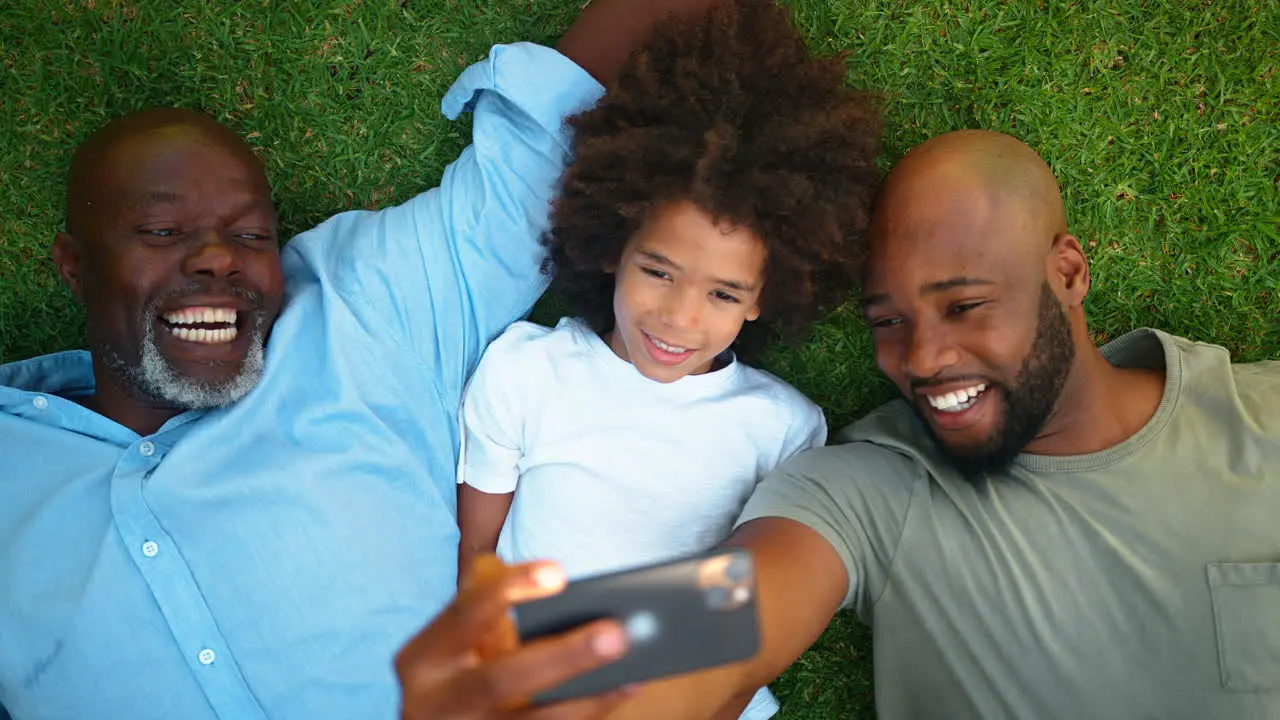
{"x":1246,"y":614}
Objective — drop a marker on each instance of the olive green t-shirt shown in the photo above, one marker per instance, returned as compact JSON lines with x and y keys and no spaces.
{"x":1142,"y":581}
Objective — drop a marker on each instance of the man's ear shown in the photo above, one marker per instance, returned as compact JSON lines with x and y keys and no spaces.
{"x":1069,"y":263}
{"x":66,"y":255}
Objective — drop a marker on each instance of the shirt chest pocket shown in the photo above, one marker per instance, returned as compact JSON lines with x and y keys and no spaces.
{"x":1246,"y":613}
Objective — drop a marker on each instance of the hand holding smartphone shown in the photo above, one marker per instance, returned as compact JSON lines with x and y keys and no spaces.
{"x":679,"y":616}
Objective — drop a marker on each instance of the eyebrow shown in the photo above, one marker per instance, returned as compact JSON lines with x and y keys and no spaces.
{"x":932,"y":288}
{"x":661,"y":259}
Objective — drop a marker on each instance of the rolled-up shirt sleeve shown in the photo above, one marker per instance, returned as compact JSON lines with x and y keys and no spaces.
{"x":447,"y":270}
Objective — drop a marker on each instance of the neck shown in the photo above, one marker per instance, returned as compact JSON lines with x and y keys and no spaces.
{"x":114,"y":403}
{"x":1100,"y":406}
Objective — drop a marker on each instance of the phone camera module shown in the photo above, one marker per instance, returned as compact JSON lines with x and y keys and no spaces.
{"x":738,"y":570}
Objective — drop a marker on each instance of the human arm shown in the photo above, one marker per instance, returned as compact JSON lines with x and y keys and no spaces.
{"x":446,"y":271}
{"x":492,"y":418}
{"x":800,"y":583}
{"x":824,"y":529}
{"x":480,"y":519}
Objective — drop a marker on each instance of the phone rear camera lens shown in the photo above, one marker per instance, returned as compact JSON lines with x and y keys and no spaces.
{"x":738,"y":570}
{"x":718,"y":598}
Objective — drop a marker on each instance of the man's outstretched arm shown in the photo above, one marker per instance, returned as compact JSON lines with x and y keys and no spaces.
{"x":801,"y":582}
{"x":448,"y":270}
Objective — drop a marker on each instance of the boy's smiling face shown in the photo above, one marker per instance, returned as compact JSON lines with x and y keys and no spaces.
{"x":683,"y":288}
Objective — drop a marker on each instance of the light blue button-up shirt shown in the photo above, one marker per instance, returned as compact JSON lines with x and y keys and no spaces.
{"x":266,"y":560}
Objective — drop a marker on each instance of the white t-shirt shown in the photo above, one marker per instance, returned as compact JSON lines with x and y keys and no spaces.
{"x":611,"y":469}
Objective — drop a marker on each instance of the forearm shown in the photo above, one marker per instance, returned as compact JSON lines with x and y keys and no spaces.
{"x":733,"y":709}
{"x":607,"y":31}
{"x":800,"y":582}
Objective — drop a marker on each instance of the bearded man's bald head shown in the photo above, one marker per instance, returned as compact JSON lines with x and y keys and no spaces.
{"x":987,"y":172}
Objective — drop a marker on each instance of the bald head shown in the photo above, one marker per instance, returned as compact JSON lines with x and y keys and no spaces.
{"x":989,"y":173}
{"x":108,"y":156}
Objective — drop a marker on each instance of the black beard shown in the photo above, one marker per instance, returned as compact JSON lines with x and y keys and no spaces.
{"x":1027,"y":405}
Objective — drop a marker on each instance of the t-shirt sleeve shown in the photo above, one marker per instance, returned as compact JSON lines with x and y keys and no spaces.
{"x":493,"y":414}
{"x":856,"y":496}
{"x":449,"y":269}
{"x":808,"y":429}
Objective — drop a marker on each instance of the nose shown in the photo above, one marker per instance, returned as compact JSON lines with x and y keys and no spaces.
{"x":682,"y":308}
{"x":929,"y":352}
{"x":213,"y":256}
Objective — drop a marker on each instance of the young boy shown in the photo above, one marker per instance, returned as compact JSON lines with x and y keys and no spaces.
{"x":716,"y":201}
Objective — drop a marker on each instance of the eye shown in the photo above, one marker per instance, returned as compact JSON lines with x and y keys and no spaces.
{"x":961,"y":308}
{"x":160,"y":232}
{"x":723,"y":296}
{"x":884,"y":322}
{"x":654,"y":272}
{"x":255,"y":237}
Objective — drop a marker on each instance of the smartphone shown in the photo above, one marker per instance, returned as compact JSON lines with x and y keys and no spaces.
{"x":683,"y":615}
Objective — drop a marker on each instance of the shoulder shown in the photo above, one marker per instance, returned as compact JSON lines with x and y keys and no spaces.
{"x":525,"y":344}
{"x":863,"y":463}
{"x":1212,"y":382}
{"x":857,"y":495}
{"x":793,"y":404}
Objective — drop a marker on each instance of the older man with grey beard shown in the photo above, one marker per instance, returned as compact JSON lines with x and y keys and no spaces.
{"x":240,"y":502}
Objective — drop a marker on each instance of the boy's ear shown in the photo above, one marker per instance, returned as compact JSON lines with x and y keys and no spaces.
{"x":754,"y":313}
{"x":66,"y":256}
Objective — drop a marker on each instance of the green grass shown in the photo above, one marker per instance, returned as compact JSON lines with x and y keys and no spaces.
{"x":1160,"y":120}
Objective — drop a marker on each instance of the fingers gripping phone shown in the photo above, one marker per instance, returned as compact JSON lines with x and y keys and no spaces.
{"x":679,"y":616}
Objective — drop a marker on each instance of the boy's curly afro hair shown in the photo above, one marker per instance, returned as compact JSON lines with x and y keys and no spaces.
{"x":733,"y":114}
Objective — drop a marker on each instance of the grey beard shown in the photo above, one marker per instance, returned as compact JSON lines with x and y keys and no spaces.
{"x":154,"y":379}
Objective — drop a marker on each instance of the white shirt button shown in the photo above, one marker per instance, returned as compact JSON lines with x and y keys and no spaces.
{"x":40,"y":401}
{"x":150,"y":549}
{"x":147,"y":448}
{"x":207,"y":657}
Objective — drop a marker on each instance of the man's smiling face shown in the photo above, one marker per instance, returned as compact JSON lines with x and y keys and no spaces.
{"x":964,"y":321}
{"x":171,"y":247}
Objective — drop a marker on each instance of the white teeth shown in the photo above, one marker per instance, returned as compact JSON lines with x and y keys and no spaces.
{"x":676,"y":349}
{"x":205,"y":337}
{"x":206,"y":315}
{"x":957,"y":400}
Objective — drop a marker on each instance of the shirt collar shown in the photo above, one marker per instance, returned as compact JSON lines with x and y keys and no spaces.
{"x":58,"y":379}
{"x":65,"y":374}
